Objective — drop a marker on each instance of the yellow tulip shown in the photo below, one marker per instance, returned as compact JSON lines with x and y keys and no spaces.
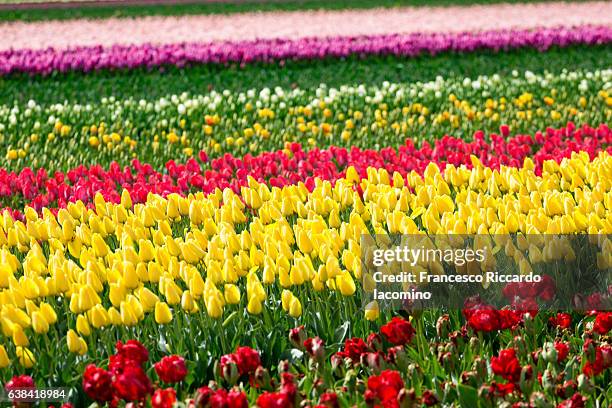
{"x":114,"y":316}
{"x":232,"y":294}
{"x":82,"y":326}
{"x":148,"y":299}
{"x":98,"y":317}
{"x":82,"y":346}
{"x":286,"y":298}
{"x":372,"y":311}
{"x":128,"y":314}
{"x":147,"y":251}
{"x":75,"y":343}
{"x":130,"y":276}
{"x":4,"y":359}
{"x":87,"y":298}
{"x":20,"y":339}
{"x":163,"y":315}
{"x":116,"y":293}
{"x":254,"y":306}
{"x":214,"y":307}
{"x":99,"y":246}
{"x":25,"y":356}
{"x":345,"y":284}
{"x":39,"y":323}
{"x":17,"y":316}
{"x":295,"y":308}
{"x":172,"y":292}
{"x":187,"y":302}
{"x":126,"y":200}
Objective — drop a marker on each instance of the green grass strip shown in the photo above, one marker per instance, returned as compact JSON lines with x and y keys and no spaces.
{"x":140,"y":83}
{"x":113,"y":10}
{"x":64,"y":135}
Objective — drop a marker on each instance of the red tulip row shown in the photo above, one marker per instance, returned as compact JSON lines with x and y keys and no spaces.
{"x":292,"y":165}
{"x":383,"y":358}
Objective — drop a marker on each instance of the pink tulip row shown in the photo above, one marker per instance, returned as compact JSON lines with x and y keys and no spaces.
{"x":300,"y":24}
{"x":292,"y":165}
{"x":88,"y":59}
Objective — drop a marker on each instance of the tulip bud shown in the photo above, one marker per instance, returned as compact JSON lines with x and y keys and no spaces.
{"x":319,"y":385}
{"x":529,"y":324}
{"x":549,"y":353}
{"x":548,"y":381}
{"x":448,"y":361}
{"x":474,"y":343}
{"x":350,"y":379}
{"x":520,"y":345}
{"x":188,"y":303}
{"x":337,"y":364}
{"x":126,"y":200}
{"x":370,"y":398}
{"x":443,"y":326}
{"x":584,"y":384}
{"x":567,"y":389}
{"x":262,"y":378}
{"x":373,"y":361}
{"x":457,"y":338}
{"x":297,"y":337}
{"x":315,"y":348}
{"x":372,"y":311}
{"x":485,"y":395}
{"x":375,"y":342}
{"x":504,"y":130}
{"x":526,"y":380}
{"x":469,"y":378}
{"x":589,"y":350}
{"x":229,"y":371}
{"x":254,"y":305}
{"x":407,"y":398}
{"x":202,"y":397}
{"x":415,"y":371}
{"x":538,"y":400}
{"x":397,"y":356}
{"x":284,"y":366}
{"x":429,"y":398}
{"x":480,"y":367}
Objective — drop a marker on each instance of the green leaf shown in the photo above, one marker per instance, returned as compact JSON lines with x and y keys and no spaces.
{"x":341,"y":332}
{"x":468,"y":396}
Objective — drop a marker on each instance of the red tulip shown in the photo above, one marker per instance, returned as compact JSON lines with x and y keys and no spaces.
{"x":562,"y":350}
{"x":398,"y":331}
{"x":163,"y":398}
{"x":506,"y":365}
{"x":603,"y":323}
{"x":97,"y":383}
{"x":171,"y":369}
{"x":561,"y":320}
{"x":247,"y":360}
{"x":133,"y":350}
{"x":132,"y":384}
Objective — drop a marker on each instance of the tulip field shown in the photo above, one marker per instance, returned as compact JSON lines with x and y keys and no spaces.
{"x":185,"y":190}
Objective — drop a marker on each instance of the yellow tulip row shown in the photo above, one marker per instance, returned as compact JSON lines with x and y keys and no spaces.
{"x":114,"y":264}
